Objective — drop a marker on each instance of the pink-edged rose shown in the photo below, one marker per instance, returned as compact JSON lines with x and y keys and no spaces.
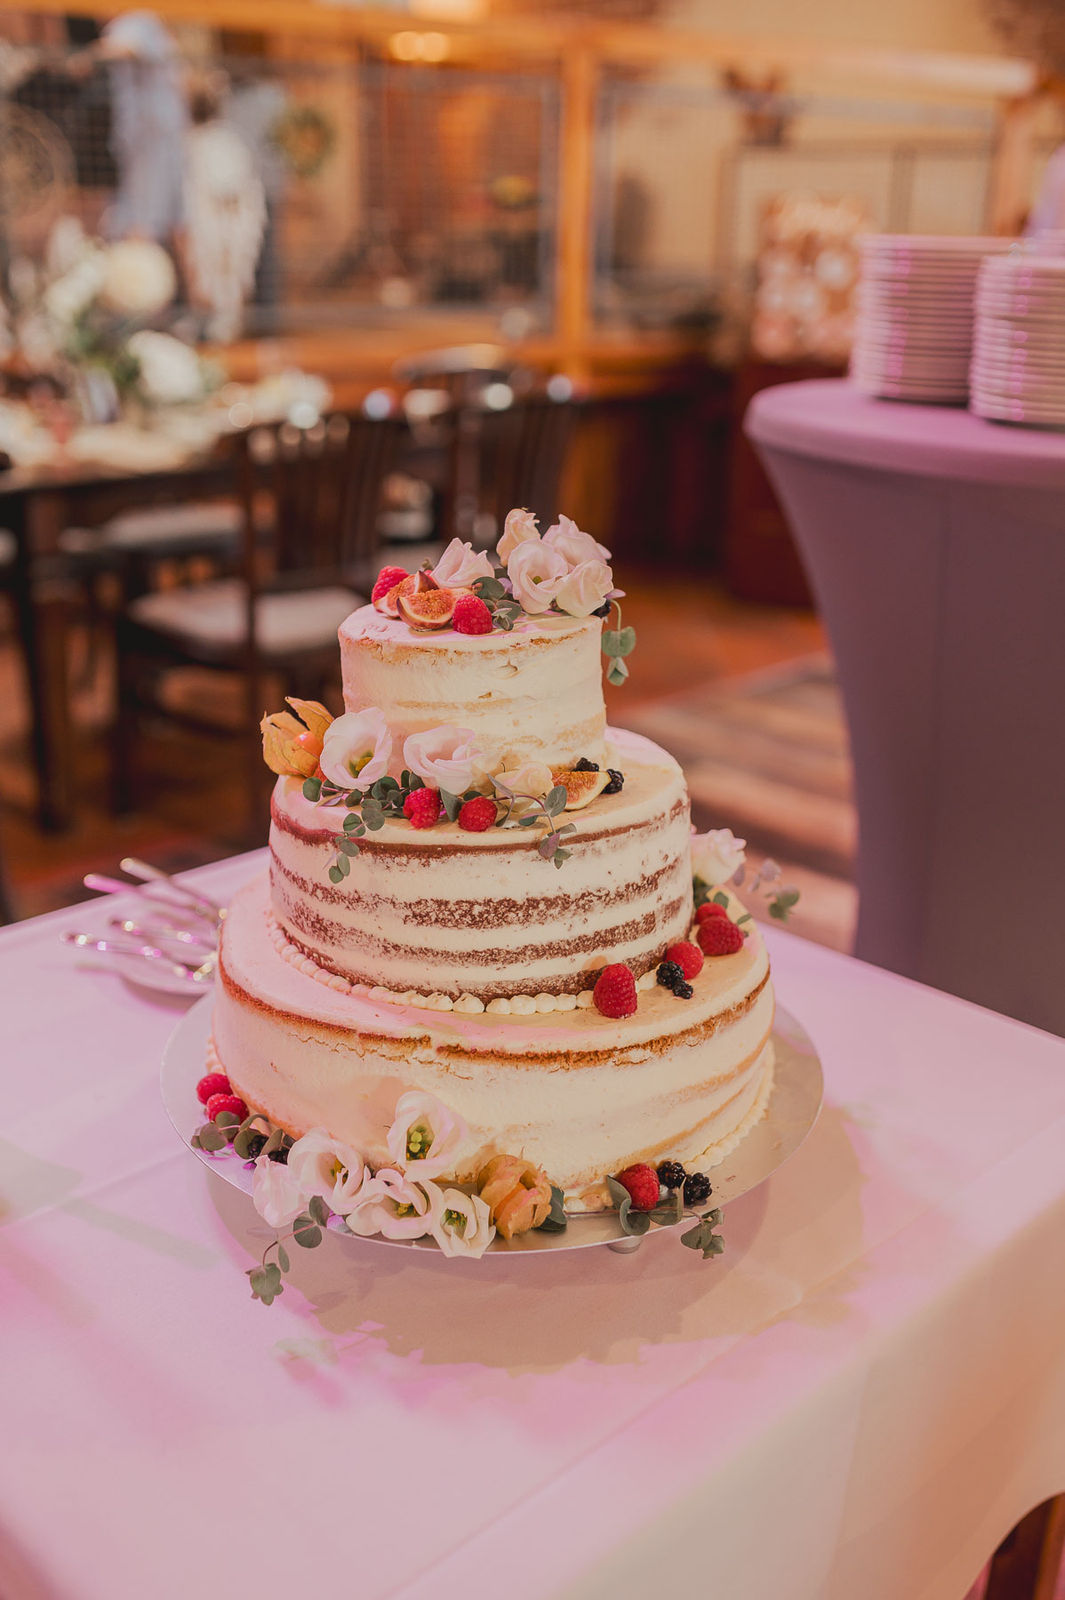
{"x":461,"y":565}
{"x":322,"y":1165}
{"x":519,"y":528}
{"x":445,"y":758}
{"x":584,"y":589}
{"x":357,"y":745}
{"x":574,"y":545}
{"x":535,"y":572}
{"x":276,"y":1193}
{"x":392,"y":1204}
{"x":426,"y":1136}
{"x":463,"y":1224}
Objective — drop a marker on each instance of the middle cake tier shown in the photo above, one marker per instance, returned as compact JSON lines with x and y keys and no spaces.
{"x":483,"y":914}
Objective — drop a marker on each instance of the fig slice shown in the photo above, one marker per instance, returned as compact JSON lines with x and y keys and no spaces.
{"x":427,"y":608}
{"x":581,"y":787}
{"x":417,"y":583}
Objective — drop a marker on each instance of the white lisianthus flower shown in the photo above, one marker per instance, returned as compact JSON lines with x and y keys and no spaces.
{"x":445,"y":758}
{"x":463,"y":1224}
{"x":574,"y":545}
{"x":394,"y":1205}
{"x":68,"y":296}
{"x":138,"y":279}
{"x":357,"y":745}
{"x":519,"y":527}
{"x":322,"y":1165}
{"x":535,"y":573}
{"x":717,"y":856}
{"x":276,"y":1193}
{"x":425,"y":1136}
{"x":584,"y":588}
{"x":461,"y":565}
{"x":170,"y":371}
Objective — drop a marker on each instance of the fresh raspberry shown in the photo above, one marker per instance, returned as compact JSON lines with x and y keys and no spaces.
{"x":720,"y":937}
{"x":642,"y":1183}
{"x":615,"y":991}
{"x":214,"y":1083}
{"x":471,"y":615}
{"x":710,"y":909}
{"x":387,"y":579}
{"x":689,"y":958}
{"x":226,"y":1102}
{"x":422,"y":808}
{"x":476,"y":816}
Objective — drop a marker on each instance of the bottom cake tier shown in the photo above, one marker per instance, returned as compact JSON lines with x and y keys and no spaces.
{"x":579,"y":1094}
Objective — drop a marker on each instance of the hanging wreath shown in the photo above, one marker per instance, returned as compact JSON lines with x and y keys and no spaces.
{"x":305,"y":138}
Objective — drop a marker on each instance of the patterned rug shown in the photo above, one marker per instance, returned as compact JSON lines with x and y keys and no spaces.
{"x":767,"y":756}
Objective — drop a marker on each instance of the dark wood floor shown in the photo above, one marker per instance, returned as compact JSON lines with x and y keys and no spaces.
{"x":742,"y":694}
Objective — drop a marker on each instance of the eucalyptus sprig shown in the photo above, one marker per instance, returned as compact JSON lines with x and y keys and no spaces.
{"x":368,"y":809}
{"x":549,"y":806}
{"x":617,"y":643}
{"x":504,"y":608}
{"x":308,"y":1231}
{"x":667,"y":1214}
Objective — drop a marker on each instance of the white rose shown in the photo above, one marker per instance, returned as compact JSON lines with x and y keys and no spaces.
{"x":519,"y":527}
{"x":584,"y":589}
{"x":717,"y":856}
{"x":320,"y":1164}
{"x":463,"y":1224}
{"x":445,"y":758}
{"x":138,"y":279}
{"x":425,"y":1136}
{"x":392,"y":1204}
{"x":357,"y":745}
{"x":535,"y":573}
{"x":534,"y":778}
{"x":573,"y":545}
{"x":275,"y":1193}
{"x":460,"y":565}
{"x":170,"y":371}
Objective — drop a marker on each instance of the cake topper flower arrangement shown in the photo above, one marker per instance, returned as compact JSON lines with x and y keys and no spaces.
{"x":564,"y":572}
{"x":301,"y":1187}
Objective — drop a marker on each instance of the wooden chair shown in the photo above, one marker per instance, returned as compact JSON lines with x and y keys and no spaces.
{"x":277,"y":616}
{"x":524,"y":453}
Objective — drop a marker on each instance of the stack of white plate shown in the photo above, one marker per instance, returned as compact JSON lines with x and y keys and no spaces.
{"x":1018,"y":368}
{"x":914,"y":328}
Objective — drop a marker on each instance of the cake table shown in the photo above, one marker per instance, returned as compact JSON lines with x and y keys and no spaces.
{"x":935,"y":543}
{"x":860,"y":1397}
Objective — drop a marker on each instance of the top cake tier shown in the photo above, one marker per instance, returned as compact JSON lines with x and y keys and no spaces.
{"x":534,"y":694}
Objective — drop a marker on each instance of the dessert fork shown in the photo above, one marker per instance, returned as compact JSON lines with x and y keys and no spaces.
{"x":194,"y":973}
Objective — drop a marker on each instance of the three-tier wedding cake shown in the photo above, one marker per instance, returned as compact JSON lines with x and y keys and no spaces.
{"x":481,"y":894}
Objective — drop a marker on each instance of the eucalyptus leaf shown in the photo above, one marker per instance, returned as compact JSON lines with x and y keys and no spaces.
{"x":344,"y":864}
{"x":617,"y":672}
{"x":451,"y":803}
{"x":312,"y":788}
{"x":625,"y":642}
{"x":556,"y":798}
{"x":617,"y":1191}
{"x":720,"y":899}
{"x":318,"y":1209}
{"x":529,"y":822}
{"x":306,"y":1232}
{"x":335,"y":875}
{"x":561,"y":856}
{"x":282,"y":1258}
{"x":212,"y":1138}
{"x":354,"y":798}
{"x":488,"y":589}
{"x":347,"y":847}
{"x":548,"y":846}
{"x":351,"y":822}
{"x":694,"y":1237}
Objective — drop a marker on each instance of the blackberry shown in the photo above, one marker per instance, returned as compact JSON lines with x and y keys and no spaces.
{"x":669,"y":974}
{"x":617,"y":779}
{"x":697,"y":1188}
{"x":671,"y":1174}
{"x":584,"y":765}
{"x":683,"y":991}
{"x":254,"y":1145}
{"x":603,"y":610}
{"x":280,"y":1156}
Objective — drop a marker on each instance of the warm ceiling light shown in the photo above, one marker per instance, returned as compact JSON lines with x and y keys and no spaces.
{"x":411,"y":46}
{"x":449,"y":10}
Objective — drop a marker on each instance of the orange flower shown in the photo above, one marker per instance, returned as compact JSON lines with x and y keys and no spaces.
{"x":517,"y":1193}
{"x":292,"y":748}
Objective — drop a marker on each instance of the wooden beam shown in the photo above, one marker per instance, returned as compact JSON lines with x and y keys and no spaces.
{"x":576,"y":177}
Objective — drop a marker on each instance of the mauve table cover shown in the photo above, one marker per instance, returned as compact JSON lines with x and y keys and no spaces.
{"x":859,"y":1398}
{"x":935,"y":545}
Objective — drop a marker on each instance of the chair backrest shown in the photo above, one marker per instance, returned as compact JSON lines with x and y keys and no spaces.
{"x":524,"y":453}
{"x":322,"y":487}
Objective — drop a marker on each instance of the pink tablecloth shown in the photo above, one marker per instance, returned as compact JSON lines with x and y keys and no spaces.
{"x":859,"y":1398}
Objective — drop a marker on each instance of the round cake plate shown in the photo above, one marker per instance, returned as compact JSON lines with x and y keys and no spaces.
{"x":793,"y":1107}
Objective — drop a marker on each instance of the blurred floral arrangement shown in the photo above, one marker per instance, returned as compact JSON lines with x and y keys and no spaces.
{"x":807,"y":271}
{"x":80,"y":317}
{"x":305,"y":139}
